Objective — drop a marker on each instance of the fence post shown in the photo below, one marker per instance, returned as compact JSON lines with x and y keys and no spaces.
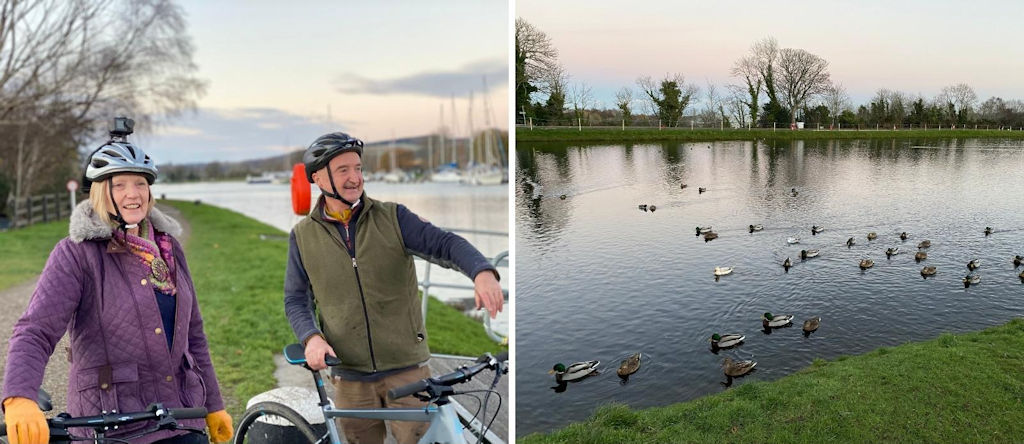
{"x":579,"y":122}
{"x":623,"y":124}
{"x":773,"y":127}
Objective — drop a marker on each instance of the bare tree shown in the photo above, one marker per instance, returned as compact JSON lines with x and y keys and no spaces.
{"x":738,"y":106}
{"x":624,"y":101}
{"x":65,"y":67}
{"x":836,"y":100}
{"x":962,"y":97}
{"x":536,"y":60}
{"x":581,"y":97}
{"x":801,"y":76}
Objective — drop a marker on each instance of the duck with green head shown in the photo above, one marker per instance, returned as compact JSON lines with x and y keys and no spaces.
{"x":769,"y":320}
{"x":726,"y":340}
{"x":574,"y":371}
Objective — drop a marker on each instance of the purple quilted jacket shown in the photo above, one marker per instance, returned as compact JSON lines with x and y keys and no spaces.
{"x":119,"y":355}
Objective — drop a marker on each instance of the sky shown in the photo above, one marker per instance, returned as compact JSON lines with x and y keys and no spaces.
{"x":916,"y":47}
{"x":280,"y":74}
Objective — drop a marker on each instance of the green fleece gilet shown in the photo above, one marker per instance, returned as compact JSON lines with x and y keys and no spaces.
{"x":368,"y":305}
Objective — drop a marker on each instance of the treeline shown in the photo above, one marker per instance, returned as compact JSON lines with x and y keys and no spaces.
{"x":773,"y":86}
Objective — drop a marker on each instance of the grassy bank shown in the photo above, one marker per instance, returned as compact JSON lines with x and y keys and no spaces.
{"x":953,"y":389}
{"x":634,"y":135}
{"x":239,"y":280}
{"x":23,"y":252}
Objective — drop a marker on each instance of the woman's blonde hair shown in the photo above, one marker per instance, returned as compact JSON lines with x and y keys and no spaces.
{"x":99,"y":198}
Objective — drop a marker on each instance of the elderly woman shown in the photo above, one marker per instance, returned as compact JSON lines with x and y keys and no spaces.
{"x":119,"y":285}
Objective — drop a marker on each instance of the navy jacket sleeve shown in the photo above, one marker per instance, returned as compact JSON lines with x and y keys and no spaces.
{"x":298,"y":295}
{"x":440,"y":247}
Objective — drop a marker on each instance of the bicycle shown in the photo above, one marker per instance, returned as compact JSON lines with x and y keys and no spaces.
{"x":166,"y":419}
{"x":445,"y":426}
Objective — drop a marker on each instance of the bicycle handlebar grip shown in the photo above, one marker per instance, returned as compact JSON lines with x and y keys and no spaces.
{"x":331,"y":361}
{"x":408,"y":389}
{"x":188,"y":413}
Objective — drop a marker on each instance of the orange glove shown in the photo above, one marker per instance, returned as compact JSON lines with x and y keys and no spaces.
{"x":25,"y":422}
{"x":219,"y":423}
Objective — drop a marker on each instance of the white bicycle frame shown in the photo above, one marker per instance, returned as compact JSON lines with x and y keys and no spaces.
{"x":445,"y":426}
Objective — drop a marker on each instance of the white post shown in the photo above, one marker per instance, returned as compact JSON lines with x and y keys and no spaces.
{"x":73,"y":198}
{"x":659,"y":124}
{"x":840,"y":126}
{"x":691,"y":124}
{"x":531,"y":123}
{"x":773,"y":127}
{"x":623,"y":124}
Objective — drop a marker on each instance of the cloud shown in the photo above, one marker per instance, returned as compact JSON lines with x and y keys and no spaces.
{"x":432,"y":83}
{"x":232,"y":134}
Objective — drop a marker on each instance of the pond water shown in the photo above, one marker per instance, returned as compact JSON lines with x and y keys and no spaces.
{"x":597,"y":278}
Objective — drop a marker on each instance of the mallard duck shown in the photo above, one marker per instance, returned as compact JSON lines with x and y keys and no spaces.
{"x":683,"y":186}
{"x":816,"y":229}
{"x":562,"y":197}
{"x":903,"y":236}
{"x":754,"y":228}
{"x":866,"y":263}
{"x":807,"y":254}
{"x":768,"y":320}
{"x":733,"y":369}
{"x":701,"y":190}
{"x":812,"y":324}
{"x":786,"y":264}
{"x":573,"y":371}
{"x":1021,"y":275}
{"x":642,"y":207}
{"x":988,"y":231}
{"x":920,"y":256}
{"x":652,"y":208}
{"x":924,"y":244}
{"x":971,"y":279}
{"x":722,"y":271}
{"x":872,"y":235}
{"x":928,"y":271}
{"x":629,"y":365}
{"x":1017,"y":260}
{"x":974,"y":265}
{"x":794,"y":192}
{"x":702,"y":230}
{"x":710,"y":235}
{"x":793,"y":240}
{"x":892,"y":251}
{"x":726,"y":341}
{"x":850,"y":243}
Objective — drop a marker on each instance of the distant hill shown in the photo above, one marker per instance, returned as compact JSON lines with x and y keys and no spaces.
{"x":414,"y":154}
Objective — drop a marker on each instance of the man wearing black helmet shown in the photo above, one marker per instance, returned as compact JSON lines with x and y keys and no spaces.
{"x":352,"y":256}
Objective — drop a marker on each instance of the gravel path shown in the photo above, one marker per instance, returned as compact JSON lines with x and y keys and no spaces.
{"x":15,"y":300}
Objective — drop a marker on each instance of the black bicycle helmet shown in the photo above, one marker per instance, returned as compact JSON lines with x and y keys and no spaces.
{"x":326,"y":147}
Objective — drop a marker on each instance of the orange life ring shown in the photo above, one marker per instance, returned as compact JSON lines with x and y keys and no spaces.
{"x":300,"y":190}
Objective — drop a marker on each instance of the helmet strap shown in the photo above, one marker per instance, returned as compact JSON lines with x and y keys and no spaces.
{"x":336,"y":194}
{"x":121,"y":223}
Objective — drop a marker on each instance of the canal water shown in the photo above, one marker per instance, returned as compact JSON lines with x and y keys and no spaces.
{"x":450,"y":206}
{"x":599,"y":279}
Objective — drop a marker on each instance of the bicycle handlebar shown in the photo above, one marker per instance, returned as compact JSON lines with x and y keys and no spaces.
{"x":460,"y":375}
{"x":62,"y":422}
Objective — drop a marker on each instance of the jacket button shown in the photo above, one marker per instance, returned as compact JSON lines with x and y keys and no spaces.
{"x":169,"y":378}
{"x":158,"y":330}
{"x":143,"y":282}
{"x":104,"y":386}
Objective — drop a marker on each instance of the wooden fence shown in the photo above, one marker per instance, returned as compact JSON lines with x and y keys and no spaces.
{"x":35,"y":209}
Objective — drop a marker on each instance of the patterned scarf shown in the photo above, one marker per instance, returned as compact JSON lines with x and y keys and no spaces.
{"x":155,"y":255}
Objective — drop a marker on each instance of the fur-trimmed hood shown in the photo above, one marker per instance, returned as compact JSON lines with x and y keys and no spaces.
{"x":86,"y":224}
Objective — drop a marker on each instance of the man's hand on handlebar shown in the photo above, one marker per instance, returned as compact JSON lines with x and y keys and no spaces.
{"x":316,"y":349}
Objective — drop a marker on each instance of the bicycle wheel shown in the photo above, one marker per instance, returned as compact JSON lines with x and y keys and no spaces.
{"x":281,"y":424}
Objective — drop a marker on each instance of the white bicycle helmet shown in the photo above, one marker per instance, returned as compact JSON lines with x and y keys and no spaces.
{"x":117,"y":157}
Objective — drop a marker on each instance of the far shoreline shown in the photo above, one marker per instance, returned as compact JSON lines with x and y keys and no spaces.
{"x":647,"y":134}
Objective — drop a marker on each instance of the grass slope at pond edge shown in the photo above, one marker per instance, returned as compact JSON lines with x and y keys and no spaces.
{"x":23,"y":252}
{"x":952,"y":389}
{"x":635,"y":135}
{"x":239,"y":281}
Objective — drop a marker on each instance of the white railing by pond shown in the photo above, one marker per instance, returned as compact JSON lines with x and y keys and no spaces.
{"x":499,"y":260}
